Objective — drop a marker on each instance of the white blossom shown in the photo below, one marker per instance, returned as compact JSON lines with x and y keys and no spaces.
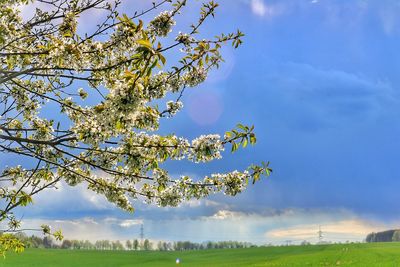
{"x":174,"y":106}
{"x":195,"y":77}
{"x":162,"y":24}
{"x":206,"y":148}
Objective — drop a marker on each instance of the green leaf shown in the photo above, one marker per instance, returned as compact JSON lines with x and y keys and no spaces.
{"x":244,"y":142}
{"x":99,"y":108}
{"x":130,"y":75}
{"x":160,"y":188}
{"x":140,"y":26}
{"x":162,"y":58}
{"x":119,"y":125}
{"x":235,"y":147}
{"x":241,"y":126}
{"x":149,"y":70}
{"x":253,"y":139}
{"x":67,"y":34}
{"x":25,"y":199}
{"x":45,"y":229}
{"x":145,"y":43}
{"x":58,"y":235}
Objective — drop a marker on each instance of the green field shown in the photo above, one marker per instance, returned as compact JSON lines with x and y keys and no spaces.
{"x":375,"y":254}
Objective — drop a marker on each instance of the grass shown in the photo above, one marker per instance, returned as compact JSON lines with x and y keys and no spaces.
{"x":374,"y":254}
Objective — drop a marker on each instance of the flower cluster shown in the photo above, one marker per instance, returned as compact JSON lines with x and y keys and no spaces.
{"x":187,"y":40}
{"x":174,"y":106}
{"x":206,"y":148}
{"x":162,"y":24}
{"x":231,"y":183}
{"x":195,"y":76}
{"x":157,"y":86}
{"x":69,"y":24}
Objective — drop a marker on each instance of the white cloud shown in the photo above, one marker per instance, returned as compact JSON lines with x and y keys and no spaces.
{"x":130,"y":223}
{"x":88,"y":228}
{"x":269,"y":226}
{"x":197,"y":220}
{"x":226,"y":214}
{"x":63,"y":202}
{"x":337,"y":225}
{"x":340,"y":230}
{"x":258,"y":7}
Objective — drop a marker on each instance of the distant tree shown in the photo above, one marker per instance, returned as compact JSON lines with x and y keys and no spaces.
{"x":75,"y":244}
{"x":47,"y":242}
{"x":113,"y":86}
{"x":87,"y":245}
{"x":117,"y":245}
{"x":305,"y":243}
{"x":167,"y":246}
{"x":147,"y":244}
{"x":396,"y":236}
{"x":128,"y":245}
{"x":135,"y":244}
{"x":160,"y":246}
{"x":98,"y":245}
{"x":107,"y":245}
{"x":370,"y":237}
{"x":36,"y":241}
{"x":66,"y":244}
{"x":384,"y":236}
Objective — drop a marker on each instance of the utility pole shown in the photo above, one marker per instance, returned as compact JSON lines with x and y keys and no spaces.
{"x":320,"y":236}
{"x":141,"y":235}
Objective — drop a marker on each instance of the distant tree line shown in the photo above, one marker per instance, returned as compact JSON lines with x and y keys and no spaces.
{"x":385,"y":236}
{"x":187,"y":245}
{"x":48,"y":242}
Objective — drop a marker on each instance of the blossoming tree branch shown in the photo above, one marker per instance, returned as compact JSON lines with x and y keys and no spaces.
{"x":50,"y":67}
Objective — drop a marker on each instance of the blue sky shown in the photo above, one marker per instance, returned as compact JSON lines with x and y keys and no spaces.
{"x":320,"y":82}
